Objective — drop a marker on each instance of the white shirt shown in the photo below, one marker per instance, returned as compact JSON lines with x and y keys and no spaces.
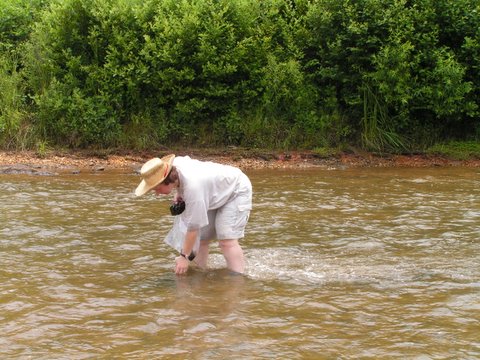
{"x":204,"y":186}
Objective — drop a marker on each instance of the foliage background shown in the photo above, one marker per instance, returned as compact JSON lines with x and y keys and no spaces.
{"x":390,"y":75}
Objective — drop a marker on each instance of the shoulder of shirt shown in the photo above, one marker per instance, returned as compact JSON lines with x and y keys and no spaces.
{"x":181,"y":159}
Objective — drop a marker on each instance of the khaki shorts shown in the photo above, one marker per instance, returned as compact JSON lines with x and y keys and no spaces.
{"x":229,"y":221}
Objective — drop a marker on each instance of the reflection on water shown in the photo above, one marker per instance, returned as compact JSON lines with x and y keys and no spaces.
{"x":340,"y":264}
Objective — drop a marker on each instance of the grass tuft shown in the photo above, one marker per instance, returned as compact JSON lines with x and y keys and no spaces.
{"x":458,"y":150}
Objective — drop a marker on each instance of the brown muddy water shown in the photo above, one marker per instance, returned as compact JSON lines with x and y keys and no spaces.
{"x":341,"y":264}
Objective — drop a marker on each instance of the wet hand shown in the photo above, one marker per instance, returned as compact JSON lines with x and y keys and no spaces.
{"x":181,"y":265}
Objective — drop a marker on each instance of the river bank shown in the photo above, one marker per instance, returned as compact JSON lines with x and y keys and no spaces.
{"x":54,"y":162}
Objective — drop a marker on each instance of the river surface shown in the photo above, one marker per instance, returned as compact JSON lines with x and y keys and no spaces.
{"x":341,"y":264}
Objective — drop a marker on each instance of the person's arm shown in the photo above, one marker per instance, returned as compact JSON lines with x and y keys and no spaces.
{"x":181,"y":262}
{"x":189,"y":243}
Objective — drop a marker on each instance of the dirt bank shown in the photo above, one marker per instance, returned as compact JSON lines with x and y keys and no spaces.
{"x":96,"y":161}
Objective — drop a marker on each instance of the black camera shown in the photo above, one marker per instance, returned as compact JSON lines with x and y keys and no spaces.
{"x":177,"y":208}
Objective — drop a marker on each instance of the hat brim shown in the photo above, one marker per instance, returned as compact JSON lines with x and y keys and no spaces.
{"x":144,"y":187}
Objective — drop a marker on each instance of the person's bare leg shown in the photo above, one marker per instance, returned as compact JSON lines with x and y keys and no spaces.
{"x":202,"y":255}
{"x":233,"y":254}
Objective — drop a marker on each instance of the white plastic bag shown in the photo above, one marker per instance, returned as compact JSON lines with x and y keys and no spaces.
{"x":176,"y":236}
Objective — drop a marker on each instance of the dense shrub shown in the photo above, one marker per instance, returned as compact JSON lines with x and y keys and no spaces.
{"x":386,"y":74}
{"x":17,"y":18}
{"x":392,"y":68}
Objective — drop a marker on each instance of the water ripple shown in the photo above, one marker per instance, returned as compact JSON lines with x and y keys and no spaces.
{"x":331,"y":256}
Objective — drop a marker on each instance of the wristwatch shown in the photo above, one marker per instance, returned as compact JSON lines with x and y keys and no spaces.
{"x":189,"y":257}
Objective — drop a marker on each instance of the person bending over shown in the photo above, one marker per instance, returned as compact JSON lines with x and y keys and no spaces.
{"x":213,"y":201}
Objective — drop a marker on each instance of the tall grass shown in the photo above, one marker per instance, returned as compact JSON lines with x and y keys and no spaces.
{"x":377,"y":133}
{"x":15,"y":129}
{"x":457,"y":150}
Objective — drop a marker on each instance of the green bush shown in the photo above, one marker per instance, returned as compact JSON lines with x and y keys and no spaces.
{"x":393,"y":65}
{"x":384,"y":74}
{"x":15,"y":131}
{"x":17,"y":17}
{"x":81,"y":121}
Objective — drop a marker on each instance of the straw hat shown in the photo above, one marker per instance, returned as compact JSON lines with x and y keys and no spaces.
{"x":153,"y":172}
